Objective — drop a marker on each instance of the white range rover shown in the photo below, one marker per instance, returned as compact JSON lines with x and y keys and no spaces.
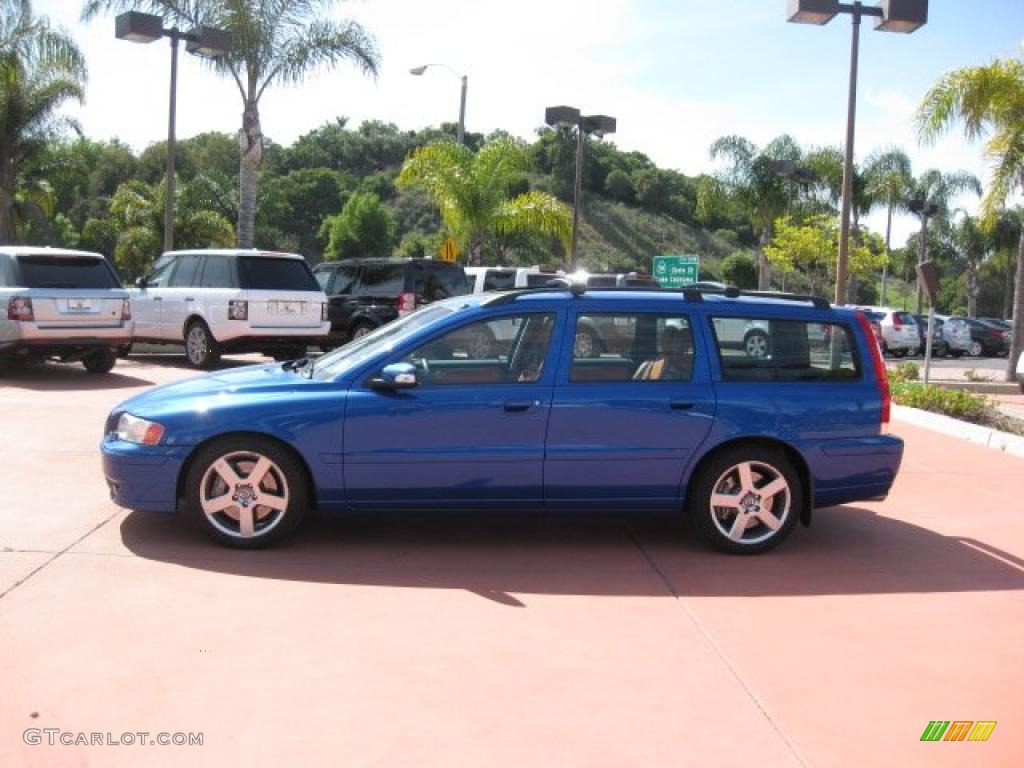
{"x":217,"y":301}
{"x":57,"y":304}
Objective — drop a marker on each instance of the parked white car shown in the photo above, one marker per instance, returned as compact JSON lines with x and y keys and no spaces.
{"x":900,"y":335}
{"x":957,"y":335}
{"x":217,"y":301}
{"x":483,"y":279}
{"x":61,"y":305}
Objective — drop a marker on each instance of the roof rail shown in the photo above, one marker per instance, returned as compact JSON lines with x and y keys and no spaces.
{"x":689,"y":293}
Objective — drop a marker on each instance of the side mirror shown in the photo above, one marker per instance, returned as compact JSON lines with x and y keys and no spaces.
{"x":140,"y":282}
{"x":397,"y":376}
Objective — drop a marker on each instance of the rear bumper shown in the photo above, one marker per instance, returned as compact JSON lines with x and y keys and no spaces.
{"x":861,"y":469}
{"x":63,"y":347}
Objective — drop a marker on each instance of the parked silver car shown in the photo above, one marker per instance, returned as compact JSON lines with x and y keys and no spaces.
{"x":61,"y":305}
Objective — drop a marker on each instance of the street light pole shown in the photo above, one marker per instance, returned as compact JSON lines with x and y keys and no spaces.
{"x":461,"y":133}
{"x":204,"y":41}
{"x":894,"y":16}
{"x":598,"y":125}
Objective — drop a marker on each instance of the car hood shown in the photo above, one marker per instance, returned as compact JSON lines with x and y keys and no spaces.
{"x":203,"y":393}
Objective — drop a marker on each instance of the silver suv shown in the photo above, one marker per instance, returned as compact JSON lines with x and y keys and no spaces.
{"x":61,"y":305}
{"x":217,"y":301}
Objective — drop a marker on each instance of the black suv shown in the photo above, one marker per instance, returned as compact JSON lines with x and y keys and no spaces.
{"x":364,"y":294}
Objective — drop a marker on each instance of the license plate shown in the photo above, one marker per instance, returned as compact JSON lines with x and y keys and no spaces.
{"x":289,"y":307}
{"x":79,"y":305}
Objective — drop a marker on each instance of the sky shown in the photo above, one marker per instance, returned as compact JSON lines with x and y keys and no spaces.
{"x":676,"y":74}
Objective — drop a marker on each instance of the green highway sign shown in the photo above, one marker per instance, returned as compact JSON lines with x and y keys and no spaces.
{"x":676,"y":271}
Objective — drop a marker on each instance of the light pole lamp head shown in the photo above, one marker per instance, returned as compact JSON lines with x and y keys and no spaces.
{"x":902,"y":15}
{"x":598,"y":125}
{"x":812,"y":11}
{"x":209,"y":42}
{"x":418,"y":70}
{"x":562,"y":117}
{"x":138,"y":27}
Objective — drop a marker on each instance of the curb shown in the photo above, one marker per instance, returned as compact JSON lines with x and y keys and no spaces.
{"x":981,"y":387}
{"x":972,"y":433}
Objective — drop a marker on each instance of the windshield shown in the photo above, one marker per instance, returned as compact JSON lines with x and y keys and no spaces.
{"x":356,"y":352}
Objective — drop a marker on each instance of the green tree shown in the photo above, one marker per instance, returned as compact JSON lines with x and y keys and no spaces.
{"x":278,"y":42}
{"x":40,"y":70}
{"x":471,"y":190}
{"x":619,"y":186}
{"x":988,"y":100}
{"x":364,"y":228}
{"x":740,"y":270}
{"x":889,"y":179}
{"x":809,"y":249}
{"x":753,"y":184}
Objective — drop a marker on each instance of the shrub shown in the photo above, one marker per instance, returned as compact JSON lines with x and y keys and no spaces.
{"x":905,"y":372}
{"x":740,"y":270}
{"x":950,"y":402}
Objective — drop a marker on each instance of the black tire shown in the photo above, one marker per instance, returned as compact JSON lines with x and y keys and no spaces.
{"x":956,"y":354}
{"x":720,"y":474}
{"x":899,"y":353}
{"x":100,"y":360}
{"x":360,"y":329}
{"x":201,"y":348}
{"x":975,"y":349}
{"x":241,"y":453}
{"x":287,"y":353}
{"x":756,"y":344}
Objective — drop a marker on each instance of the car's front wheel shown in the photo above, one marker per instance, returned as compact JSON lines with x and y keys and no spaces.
{"x":746,"y":499}
{"x":975,"y":350}
{"x":755,"y":344}
{"x":246,"y":491}
{"x":100,"y":361}
{"x":201,"y":347}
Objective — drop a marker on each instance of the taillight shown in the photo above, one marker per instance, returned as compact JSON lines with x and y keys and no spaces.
{"x":126,"y":310}
{"x":323,"y":312}
{"x":19,"y":308}
{"x":406,"y":302}
{"x":238,"y":310}
{"x":881,"y":376}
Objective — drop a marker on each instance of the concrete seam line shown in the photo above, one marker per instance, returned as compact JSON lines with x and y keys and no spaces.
{"x":74,"y":543}
{"x":963,"y":430}
{"x":711,"y":641}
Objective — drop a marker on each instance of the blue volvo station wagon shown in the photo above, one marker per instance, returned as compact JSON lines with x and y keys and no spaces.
{"x":668,"y":413}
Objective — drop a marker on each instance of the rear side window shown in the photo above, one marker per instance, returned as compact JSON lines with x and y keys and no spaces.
{"x":65,"y":272}
{"x":262,"y":273}
{"x":904,"y":317}
{"x":217,"y":273}
{"x":762,"y":349}
{"x":632,"y":347}
{"x":434,"y":282}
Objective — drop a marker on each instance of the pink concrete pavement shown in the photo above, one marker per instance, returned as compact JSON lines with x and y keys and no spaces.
{"x":502,"y":642}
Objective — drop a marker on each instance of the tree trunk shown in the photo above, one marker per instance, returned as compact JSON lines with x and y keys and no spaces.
{"x":1018,"y":310}
{"x":476,"y":249}
{"x":972,"y":288}
{"x":1008,"y":285}
{"x":250,"y":141}
{"x":763,"y":281}
{"x":885,"y":266}
{"x":6,"y":202}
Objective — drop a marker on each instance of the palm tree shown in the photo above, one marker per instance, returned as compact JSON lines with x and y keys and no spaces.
{"x":989,"y":100}
{"x":40,"y":69}
{"x":888,"y":180}
{"x":278,"y":41}
{"x":472,"y":192}
{"x":755,"y":186}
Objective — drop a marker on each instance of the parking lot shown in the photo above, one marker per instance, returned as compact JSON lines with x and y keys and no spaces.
{"x":506,"y":641}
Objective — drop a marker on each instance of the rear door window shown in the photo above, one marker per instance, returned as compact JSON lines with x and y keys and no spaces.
{"x":187,"y":271}
{"x":632,"y":347}
{"x":65,"y":272}
{"x":433,"y":282}
{"x":265,"y":273}
{"x":499,"y":280}
{"x":785,"y":350}
{"x":217,"y":273}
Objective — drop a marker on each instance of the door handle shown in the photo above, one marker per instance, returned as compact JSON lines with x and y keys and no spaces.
{"x":158,"y":298}
{"x":518,"y":406}
{"x":680,"y":405}
{"x":189,"y":298}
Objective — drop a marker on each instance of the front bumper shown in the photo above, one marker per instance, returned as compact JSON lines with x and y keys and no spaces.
{"x":142,"y":477}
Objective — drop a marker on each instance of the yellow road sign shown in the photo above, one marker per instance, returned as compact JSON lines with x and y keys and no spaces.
{"x":449,"y":250}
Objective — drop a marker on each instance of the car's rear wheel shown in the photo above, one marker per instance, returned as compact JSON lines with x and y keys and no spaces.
{"x":956,"y":354}
{"x":975,"y":349}
{"x":755,"y":344}
{"x":100,"y":361}
{"x":246,"y":491}
{"x":746,"y":500}
{"x":362,"y":329}
{"x":201,"y":348}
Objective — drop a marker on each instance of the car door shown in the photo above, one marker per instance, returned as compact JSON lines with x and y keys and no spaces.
{"x":147,"y":302}
{"x":179,"y":296}
{"x":470,"y":434}
{"x":625,"y":424}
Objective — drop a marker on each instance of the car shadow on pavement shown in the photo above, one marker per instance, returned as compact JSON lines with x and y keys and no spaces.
{"x":67,"y":377}
{"x":848,"y":550}
{"x":172,"y":360}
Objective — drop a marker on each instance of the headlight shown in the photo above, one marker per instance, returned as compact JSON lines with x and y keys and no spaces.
{"x":132,"y":429}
